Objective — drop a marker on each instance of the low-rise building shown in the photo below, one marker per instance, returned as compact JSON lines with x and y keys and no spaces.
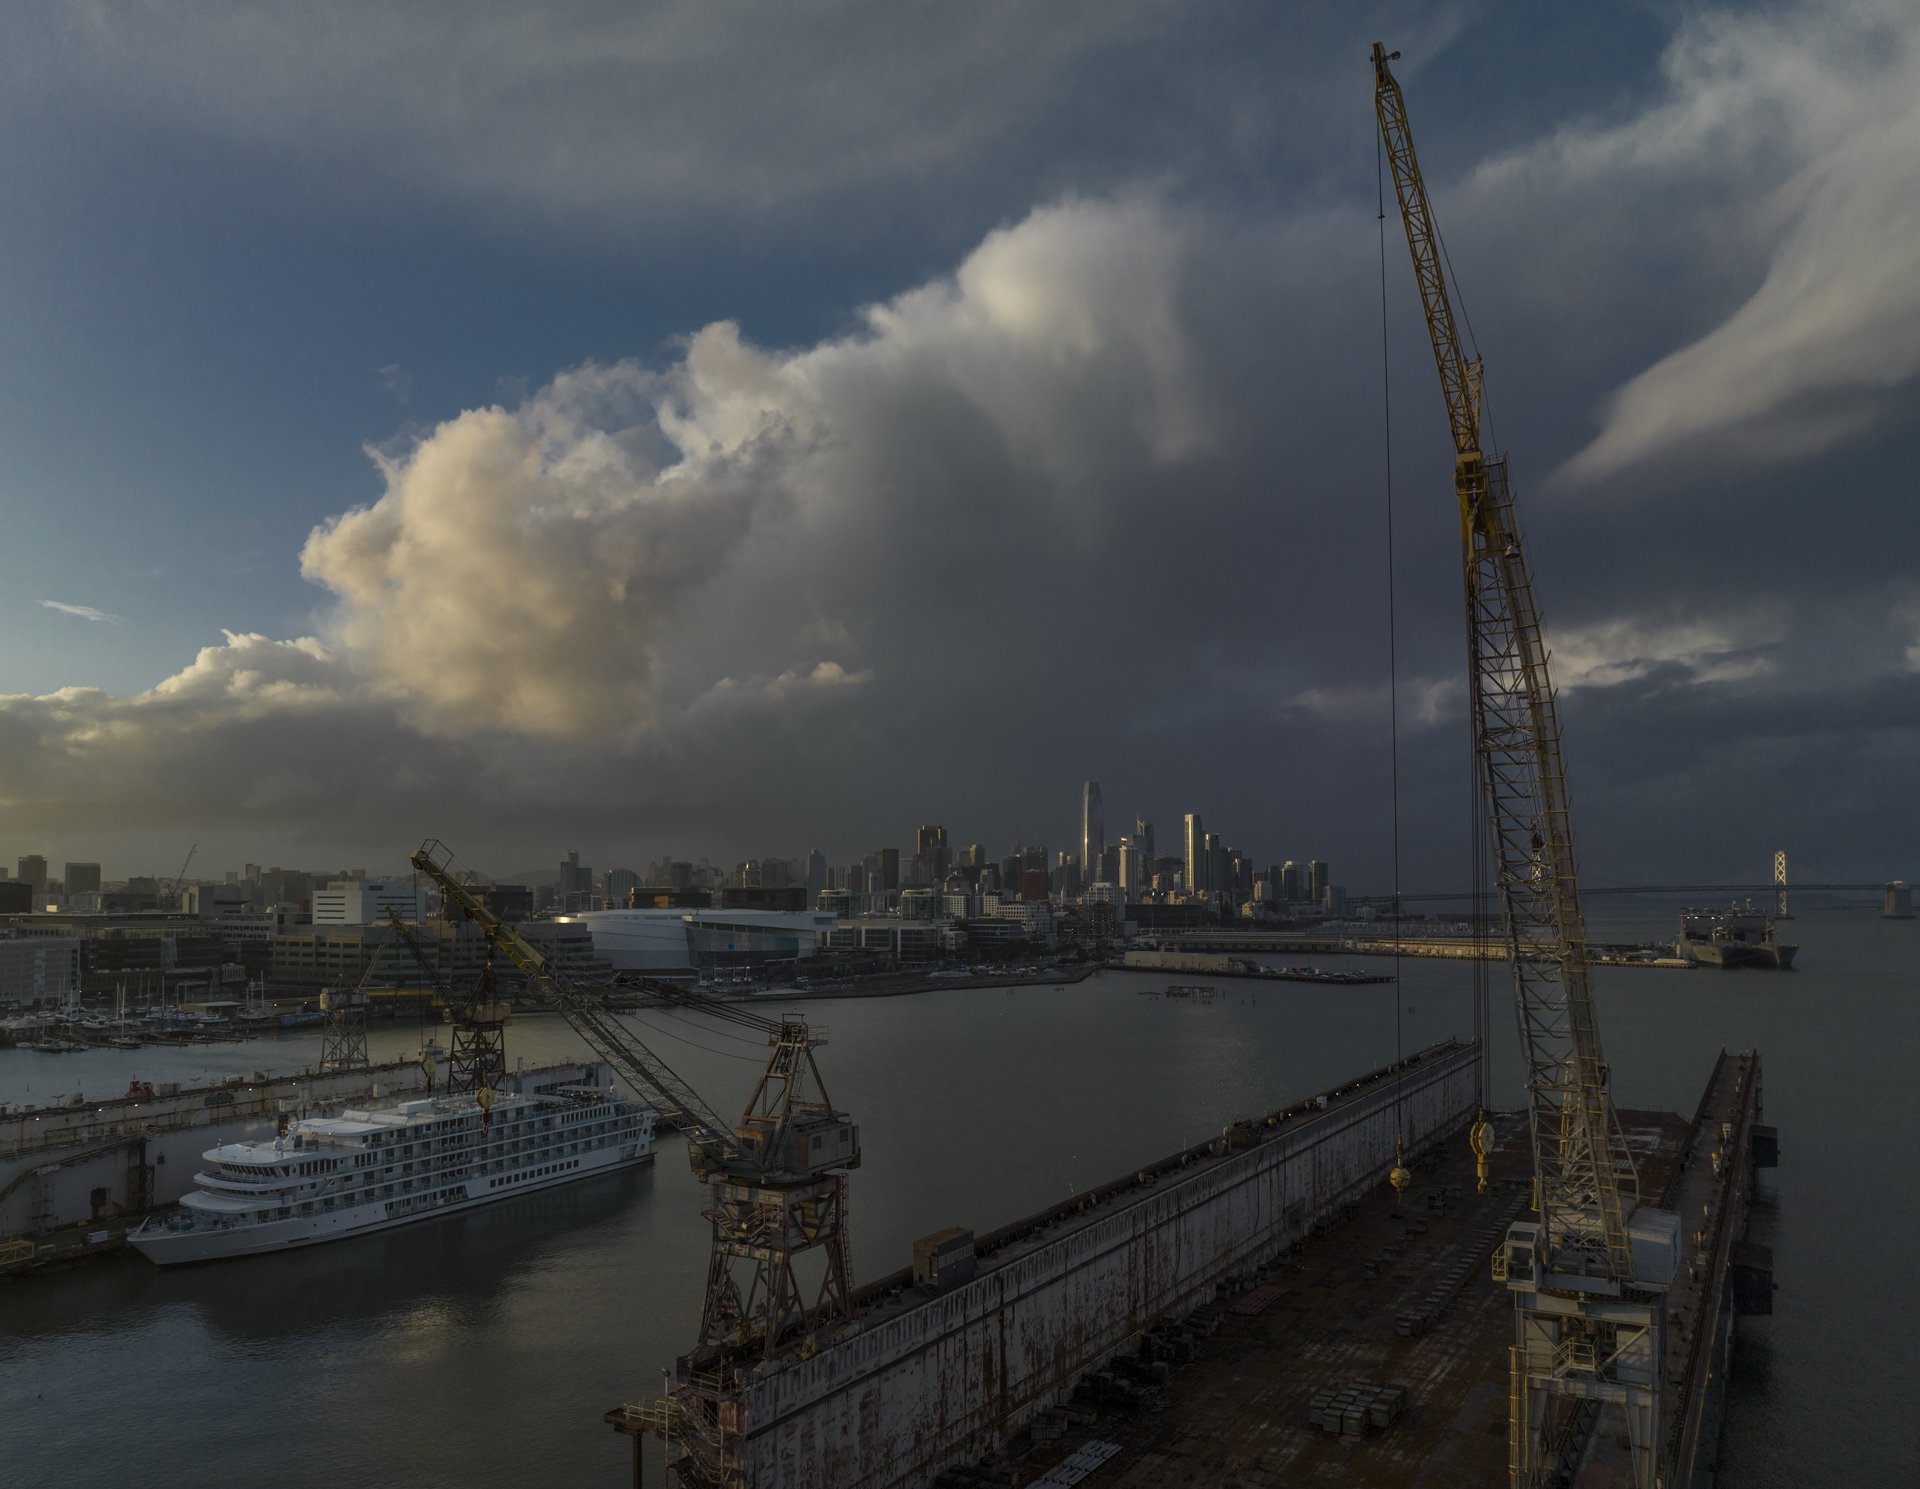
{"x":900,"y":941}
{"x":38,"y":969}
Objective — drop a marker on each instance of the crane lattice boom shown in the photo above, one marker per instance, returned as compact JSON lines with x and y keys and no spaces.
{"x":775,"y":1185}
{"x":1589,"y":1317}
{"x":673,"y":1097}
{"x":1517,"y":738}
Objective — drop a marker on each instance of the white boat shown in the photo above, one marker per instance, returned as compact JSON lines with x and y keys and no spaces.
{"x":374,"y":1167}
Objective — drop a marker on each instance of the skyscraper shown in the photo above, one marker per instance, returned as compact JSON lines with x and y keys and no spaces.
{"x":931,"y":847}
{"x":1093,"y":829}
{"x":1197,"y":864}
{"x":83,"y":878}
{"x":576,"y":880}
{"x":1143,"y":840}
{"x":1316,"y":880}
{"x":33,"y":868}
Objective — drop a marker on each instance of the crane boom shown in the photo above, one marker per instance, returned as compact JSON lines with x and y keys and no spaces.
{"x":1587,"y":1277}
{"x":674,"y":1098}
{"x":781,"y":1264}
{"x":1517,"y":738}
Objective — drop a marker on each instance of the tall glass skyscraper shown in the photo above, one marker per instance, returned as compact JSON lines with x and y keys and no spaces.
{"x":1093,"y":830}
{"x":1199,"y":879}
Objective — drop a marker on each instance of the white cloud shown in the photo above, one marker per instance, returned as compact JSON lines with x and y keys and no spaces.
{"x":1423,"y":703}
{"x":1793,"y":137}
{"x":84,"y":612}
{"x":1699,"y":650}
{"x":556,"y":569}
{"x":823,"y":679}
{"x":396,"y":382}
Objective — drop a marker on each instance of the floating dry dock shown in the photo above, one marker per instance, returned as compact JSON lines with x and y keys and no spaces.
{"x":1258,"y":1311}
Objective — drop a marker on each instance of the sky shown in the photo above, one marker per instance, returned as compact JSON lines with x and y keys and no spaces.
{"x":726,"y":431}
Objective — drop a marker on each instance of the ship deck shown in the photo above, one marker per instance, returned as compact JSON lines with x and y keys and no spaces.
{"x":1239,"y":1415}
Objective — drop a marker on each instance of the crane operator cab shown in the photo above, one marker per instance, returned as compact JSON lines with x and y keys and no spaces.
{"x":1653,"y":1237}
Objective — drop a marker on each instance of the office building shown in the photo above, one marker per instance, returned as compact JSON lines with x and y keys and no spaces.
{"x":38,"y":969}
{"x":511,"y":902}
{"x":931,"y":847}
{"x":1197,"y":863}
{"x":366,"y":902}
{"x":218,"y":901}
{"x":1135,"y":871}
{"x":32,"y":870}
{"x":1093,"y":828}
{"x":1316,"y":880}
{"x":576,"y":882}
{"x":82,"y":878}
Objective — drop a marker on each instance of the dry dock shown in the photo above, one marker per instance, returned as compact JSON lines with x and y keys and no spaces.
{"x":1256,"y":1313}
{"x":1395,"y":1305}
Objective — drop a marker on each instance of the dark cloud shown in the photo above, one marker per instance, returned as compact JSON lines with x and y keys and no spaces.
{"x":1107,"y":500}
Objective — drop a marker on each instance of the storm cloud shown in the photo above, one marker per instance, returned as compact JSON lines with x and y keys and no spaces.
{"x":1105,"y":500}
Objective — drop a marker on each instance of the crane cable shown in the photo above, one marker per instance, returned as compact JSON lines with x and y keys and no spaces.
{"x":1393,"y":658}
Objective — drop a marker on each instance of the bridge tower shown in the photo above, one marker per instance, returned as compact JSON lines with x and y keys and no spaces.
{"x":1780,"y":885}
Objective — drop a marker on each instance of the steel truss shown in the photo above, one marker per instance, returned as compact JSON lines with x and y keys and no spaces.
{"x":1589,"y":1329}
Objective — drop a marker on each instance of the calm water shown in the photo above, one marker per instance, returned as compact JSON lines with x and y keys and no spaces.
{"x":484,"y":1347}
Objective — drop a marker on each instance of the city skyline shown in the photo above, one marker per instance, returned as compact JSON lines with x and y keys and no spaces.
{"x":836,"y":472}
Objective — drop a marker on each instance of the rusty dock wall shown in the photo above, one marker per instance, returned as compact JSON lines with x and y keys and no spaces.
{"x":1724,"y":1276}
{"x":920,"y":1383}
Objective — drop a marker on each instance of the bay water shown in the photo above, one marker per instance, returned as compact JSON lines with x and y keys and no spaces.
{"x":483,"y":1348}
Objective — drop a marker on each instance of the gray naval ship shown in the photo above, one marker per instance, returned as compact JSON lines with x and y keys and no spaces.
{"x":1734,"y":937}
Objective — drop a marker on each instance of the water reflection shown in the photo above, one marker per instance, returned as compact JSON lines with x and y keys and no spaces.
{"x":455,"y":1269}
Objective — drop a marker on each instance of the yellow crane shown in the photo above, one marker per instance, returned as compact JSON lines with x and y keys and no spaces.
{"x":1588,"y":1273}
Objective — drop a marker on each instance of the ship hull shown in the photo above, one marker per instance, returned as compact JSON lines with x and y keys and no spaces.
{"x":1742,"y":954}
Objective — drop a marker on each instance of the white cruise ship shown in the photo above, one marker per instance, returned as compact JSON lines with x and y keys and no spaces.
{"x":369,"y":1168}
